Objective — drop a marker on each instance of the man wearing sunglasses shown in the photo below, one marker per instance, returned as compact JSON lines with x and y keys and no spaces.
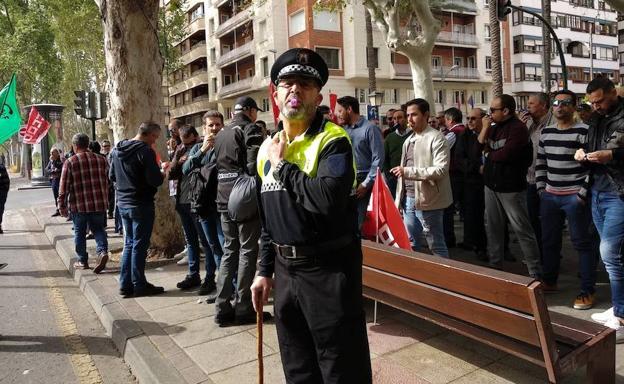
{"x":509,"y":153}
{"x":562,"y":184}
{"x":605,"y":157}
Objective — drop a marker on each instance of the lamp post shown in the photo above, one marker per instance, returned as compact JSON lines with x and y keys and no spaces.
{"x":443,"y":75}
{"x":374,"y":100}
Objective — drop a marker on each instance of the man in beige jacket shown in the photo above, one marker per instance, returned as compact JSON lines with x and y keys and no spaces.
{"x":424,"y":187}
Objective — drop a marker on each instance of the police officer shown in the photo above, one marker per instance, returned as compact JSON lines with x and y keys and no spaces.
{"x":310,"y":251}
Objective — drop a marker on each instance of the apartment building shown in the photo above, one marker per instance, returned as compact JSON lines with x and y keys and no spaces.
{"x":621,"y":46}
{"x":583,"y":26}
{"x":232,"y":44}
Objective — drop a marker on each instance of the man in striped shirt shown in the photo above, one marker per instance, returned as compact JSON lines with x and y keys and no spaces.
{"x":562,"y":184}
{"x":83,"y":191}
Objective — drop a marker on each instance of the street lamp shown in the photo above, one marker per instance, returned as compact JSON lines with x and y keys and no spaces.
{"x":443,"y":75}
{"x":374,"y":100}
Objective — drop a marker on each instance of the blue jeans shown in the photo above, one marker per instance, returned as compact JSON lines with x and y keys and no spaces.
{"x":608,"y":213}
{"x":193,"y":234}
{"x":553,"y":211}
{"x":55,"y":183}
{"x":138,"y":223}
{"x":97,"y":223}
{"x":427,"y":223}
{"x":211,"y":226}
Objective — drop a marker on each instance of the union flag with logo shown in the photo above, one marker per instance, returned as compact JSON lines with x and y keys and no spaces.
{"x":36,"y":128}
{"x":383,"y":222}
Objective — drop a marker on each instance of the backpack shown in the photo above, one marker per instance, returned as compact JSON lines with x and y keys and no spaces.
{"x":202,"y":182}
{"x":243,"y":201}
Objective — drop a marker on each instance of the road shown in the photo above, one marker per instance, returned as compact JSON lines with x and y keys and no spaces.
{"x":49,"y":332}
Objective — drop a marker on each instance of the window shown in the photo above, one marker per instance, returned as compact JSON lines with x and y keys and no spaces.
{"x":361,"y":95}
{"x":487,"y":31}
{"x":227,"y":79}
{"x":250,"y":72}
{"x":228,"y":113}
{"x":524,"y":72}
{"x":480,"y":97}
{"x":331,"y":56}
{"x":225,"y":48}
{"x":436,"y":61}
{"x":264,"y":64}
{"x":375,"y":58}
{"x":472,"y":62}
{"x":326,"y":21}
{"x":458,"y":97}
{"x":410,"y":94}
{"x":197,"y":13}
{"x":437,"y":96}
{"x":604,"y":53}
{"x":391,"y":96}
{"x":266,"y":106}
{"x":261,"y":30}
{"x":459,"y":61}
{"x":488,"y":63}
{"x":213,"y":55}
{"x":296,"y":23}
{"x":214,"y":85}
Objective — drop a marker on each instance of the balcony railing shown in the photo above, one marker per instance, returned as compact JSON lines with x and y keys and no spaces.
{"x":236,"y":54}
{"x":233,"y":22}
{"x":241,"y":85}
{"x":457,"y":73}
{"x":457,"y":38}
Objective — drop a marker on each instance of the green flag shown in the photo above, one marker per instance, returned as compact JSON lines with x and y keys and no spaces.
{"x":10,"y":119}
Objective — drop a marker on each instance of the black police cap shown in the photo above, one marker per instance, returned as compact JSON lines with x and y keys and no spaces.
{"x":300,"y":62}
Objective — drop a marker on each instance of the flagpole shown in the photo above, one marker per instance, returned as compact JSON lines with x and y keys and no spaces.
{"x":6,"y":95}
{"x":376,"y":186}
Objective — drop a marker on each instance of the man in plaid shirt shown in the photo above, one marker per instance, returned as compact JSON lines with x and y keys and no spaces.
{"x":84,"y":192}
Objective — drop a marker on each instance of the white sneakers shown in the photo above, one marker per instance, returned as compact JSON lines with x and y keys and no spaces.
{"x":608,"y":319}
{"x":603,"y":317}
{"x":183,"y":260}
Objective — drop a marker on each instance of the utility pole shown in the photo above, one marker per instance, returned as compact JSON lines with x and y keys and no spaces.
{"x":547,"y":48}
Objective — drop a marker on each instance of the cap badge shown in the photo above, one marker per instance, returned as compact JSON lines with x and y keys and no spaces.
{"x":303,"y":58}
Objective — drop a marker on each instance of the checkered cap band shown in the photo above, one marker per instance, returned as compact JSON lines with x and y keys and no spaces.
{"x":298,"y":68}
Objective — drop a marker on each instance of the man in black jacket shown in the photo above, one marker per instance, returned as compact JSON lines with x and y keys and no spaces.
{"x":605,"y":156}
{"x":236,"y":148}
{"x":5,"y":183}
{"x":137,"y":176}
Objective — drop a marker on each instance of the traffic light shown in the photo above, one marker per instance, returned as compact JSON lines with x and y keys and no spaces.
{"x":503,"y":8}
{"x":92,"y":106}
{"x":80,"y":103}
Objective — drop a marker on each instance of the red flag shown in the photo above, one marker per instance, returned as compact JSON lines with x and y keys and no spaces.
{"x":333,"y":98}
{"x":274,"y":106}
{"x":383,"y":222}
{"x":36,"y":128}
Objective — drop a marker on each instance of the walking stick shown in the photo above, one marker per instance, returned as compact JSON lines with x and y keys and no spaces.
{"x":259,"y":319}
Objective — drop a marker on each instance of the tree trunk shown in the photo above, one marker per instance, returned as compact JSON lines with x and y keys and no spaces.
{"x":134,"y":70}
{"x":495,"y":39}
{"x":372,"y":79}
{"x":420,"y":64}
{"x":547,"y":47}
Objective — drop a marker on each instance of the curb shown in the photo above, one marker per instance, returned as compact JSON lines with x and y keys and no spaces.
{"x":147,"y":363}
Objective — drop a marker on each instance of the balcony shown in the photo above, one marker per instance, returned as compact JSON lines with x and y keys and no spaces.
{"x":404,"y":70}
{"x":456,"y":38}
{"x":198,"y":105}
{"x":233,"y":22}
{"x":197,"y":51}
{"x":236,"y":54}
{"x":197,"y":24}
{"x":198,"y":77}
{"x":234,"y":88}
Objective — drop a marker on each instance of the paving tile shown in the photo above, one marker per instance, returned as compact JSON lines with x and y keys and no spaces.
{"x":438,"y":361}
{"x":200,"y":331}
{"x":248,"y":373}
{"x":473,"y":345}
{"x":181,"y":313}
{"x":194,"y":375}
{"x":386,"y":371}
{"x":226,"y":352}
{"x":497,"y":373}
{"x":417,"y":323}
{"x":392,"y":335}
{"x":167,"y":299}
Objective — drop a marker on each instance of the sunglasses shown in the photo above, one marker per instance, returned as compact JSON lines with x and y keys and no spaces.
{"x":562,"y":103}
{"x":492,"y":110}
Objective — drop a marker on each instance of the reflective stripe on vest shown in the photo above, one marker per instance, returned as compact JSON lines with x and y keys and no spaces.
{"x":304,"y":151}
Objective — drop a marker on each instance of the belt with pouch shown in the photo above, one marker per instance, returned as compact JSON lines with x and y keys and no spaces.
{"x":301,"y":252}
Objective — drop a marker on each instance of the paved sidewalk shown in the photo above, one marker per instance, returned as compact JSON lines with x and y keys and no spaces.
{"x":172,"y":338}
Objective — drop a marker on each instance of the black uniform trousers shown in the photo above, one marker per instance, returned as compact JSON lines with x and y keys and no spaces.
{"x":474,"y":211}
{"x":320,"y":320}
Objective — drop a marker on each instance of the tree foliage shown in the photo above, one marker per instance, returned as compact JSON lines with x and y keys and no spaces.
{"x":171,"y":23}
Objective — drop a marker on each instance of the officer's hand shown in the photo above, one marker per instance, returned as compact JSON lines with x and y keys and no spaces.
{"x":360,"y":192}
{"x":601,"y":157}
{"x":277,"y":148}
{"x":260,"y":290}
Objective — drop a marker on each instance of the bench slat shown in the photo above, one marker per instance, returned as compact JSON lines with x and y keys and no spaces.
{"x":503,"y":289}
{"x":500,"y":342}
{"x":504,"y":321}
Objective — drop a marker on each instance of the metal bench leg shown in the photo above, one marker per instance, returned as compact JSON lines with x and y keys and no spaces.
{"x":375,"y":313}
{"x":601,"y":369}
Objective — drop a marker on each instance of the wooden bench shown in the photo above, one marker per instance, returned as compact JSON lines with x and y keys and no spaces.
{"x":500,"y":309}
